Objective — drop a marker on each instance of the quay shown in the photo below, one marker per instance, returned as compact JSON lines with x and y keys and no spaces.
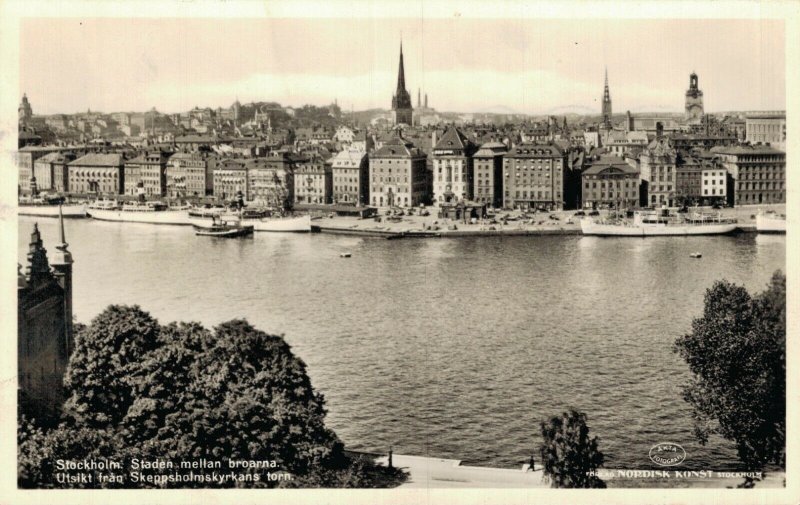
{"x":429,"y":473}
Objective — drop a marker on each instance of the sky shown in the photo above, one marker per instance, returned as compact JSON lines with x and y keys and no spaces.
{"x":466,"y":65}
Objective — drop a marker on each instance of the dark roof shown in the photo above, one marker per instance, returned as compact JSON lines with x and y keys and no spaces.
{"x":535,"y":151}
{"x":609,"y":161}
{"x":99,"y":160}
{"x":398,"y":147}
{"x":453,"y":138}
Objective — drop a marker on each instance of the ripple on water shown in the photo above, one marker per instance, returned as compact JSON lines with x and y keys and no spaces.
{"x":450,"y":348}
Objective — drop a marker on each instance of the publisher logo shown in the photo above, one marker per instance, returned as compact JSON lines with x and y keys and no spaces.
{"x":667,"y":454}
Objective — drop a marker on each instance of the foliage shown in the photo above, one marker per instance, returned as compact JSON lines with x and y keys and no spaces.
{"x":737,"y":355}
{"x":569,"y":456}
{"x":181,"y":392}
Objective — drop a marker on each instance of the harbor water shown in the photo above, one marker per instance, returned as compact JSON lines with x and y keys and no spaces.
{"x":453,"y":348}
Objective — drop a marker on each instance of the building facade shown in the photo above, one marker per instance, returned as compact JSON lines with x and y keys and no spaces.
{"x":51,"y":172}
{"x":533,"y":177}
{"x":758,"y":173}
{"x":271,"y":181}
{"x":453,"y":167}
{"x":149,"y":169}
{"x":766,"y":128}
{"x":97,"y":173}
{"x":190,"y":175}
{"x":688,"y":181}
{"x":230,"y":178}
{"x":398,"y":175}
{"x":313,"y":181}
{"x":714,"y":183}
{"x":610,"y":182}
{"x":488,"y":181}
{"x":657,"y":164}
{"x":350,"y":172}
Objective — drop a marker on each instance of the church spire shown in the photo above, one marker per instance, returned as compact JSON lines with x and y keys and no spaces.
{"x":401,"y":73}
{"x":606,"y":102}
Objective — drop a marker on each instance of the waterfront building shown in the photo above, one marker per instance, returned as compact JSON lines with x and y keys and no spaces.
{"x":51,"y":171}
{"x":714,"y":183}
{"x":150,"y":169}
{"x":688,"y":180}
{"x":44,"y":327}
{"x":313,"y":181}
{"x":271,"y":181}
{"x":610,"y":181}
{"x":402,"y":112}
{"x":694,"y":100}
{"x":190,"y":174}
{"x":766,"y":128}
{"x":657,"y":165}
{"x":350,"y":172}
{"x":398,"y":175}
{"x":98,"y":173}
{"x":533,"y":177}
{"x":230,"y":178}
{"x":758,"y":173}
{"x":488,"y":181}
{"x":453,"y":167}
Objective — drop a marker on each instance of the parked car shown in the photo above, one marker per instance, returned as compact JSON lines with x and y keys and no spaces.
{"x":553,"y":217}
{"x":580,"y":213}
{"x":594,"y":213}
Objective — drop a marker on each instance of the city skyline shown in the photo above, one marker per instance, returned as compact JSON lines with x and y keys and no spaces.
{"x":495,"y":63}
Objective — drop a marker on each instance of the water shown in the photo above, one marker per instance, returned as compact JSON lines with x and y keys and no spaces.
{"x":447,"y":347}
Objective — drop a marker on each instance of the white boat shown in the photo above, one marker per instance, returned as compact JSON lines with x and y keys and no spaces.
{"x":136,"y":212}
{"x":48,"y":207}
{"x":655,"y":224}
{"x":770,"y":222}
{"x":298,"y":224}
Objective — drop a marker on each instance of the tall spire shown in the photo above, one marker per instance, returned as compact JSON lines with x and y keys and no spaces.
{"x":62,"y":256}
{"x":606,"y":111}
{"x":401,"y":74}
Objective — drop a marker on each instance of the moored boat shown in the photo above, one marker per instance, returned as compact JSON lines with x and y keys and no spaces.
{"x":654,"y":224}
{"x":138,"y":212}
{"x":48,"y":207}
{"x":223,"y":228}
{"x":770,"y":222}
{"x":295,"y":224}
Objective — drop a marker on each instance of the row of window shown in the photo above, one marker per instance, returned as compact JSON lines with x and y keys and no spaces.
{"x":611,"y":195}
{"x":760,"y":185}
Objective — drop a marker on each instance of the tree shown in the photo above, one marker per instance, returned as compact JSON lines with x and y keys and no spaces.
{"x":569,"y":456}
{"x":182,"y":392}
{"x":737,"y":355}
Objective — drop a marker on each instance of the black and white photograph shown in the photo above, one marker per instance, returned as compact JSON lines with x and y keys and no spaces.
{"x":443,"y":251}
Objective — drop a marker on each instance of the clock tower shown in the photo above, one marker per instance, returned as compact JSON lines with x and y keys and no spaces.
{"x":694,"y":100}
